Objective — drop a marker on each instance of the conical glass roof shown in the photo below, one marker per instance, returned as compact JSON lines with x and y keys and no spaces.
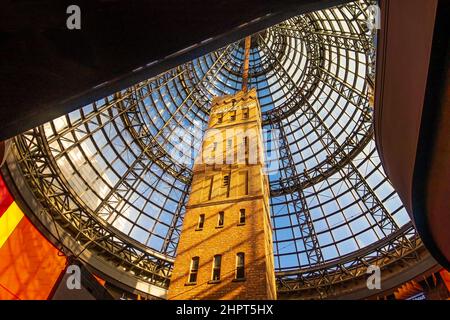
{"x":122,"y":165}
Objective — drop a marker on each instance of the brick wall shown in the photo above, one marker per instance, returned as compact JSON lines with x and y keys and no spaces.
{"x":247,"y":190}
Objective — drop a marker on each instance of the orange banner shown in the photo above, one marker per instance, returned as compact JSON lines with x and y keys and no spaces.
{"x":29,"y":264}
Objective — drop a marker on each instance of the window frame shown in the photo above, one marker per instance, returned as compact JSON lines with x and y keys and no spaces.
{"x":240,"y":266}
{"x":245,"y":113}
{"x":201,"y":220}
{"x":194,"y":271}
{"x":221,"y":219}
{"x":242,"y":216}
{"x":216,"y":268}
{"x":232,"y":115}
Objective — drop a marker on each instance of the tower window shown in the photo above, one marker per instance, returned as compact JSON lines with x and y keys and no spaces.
{"x":194,"y":270}
{"x":220,"y":118}
{"x":226,"y":180}
{"x":201,"y":222}
{"x":241,"y":216}
{"x":210,"y":182}
{"x":233,"y":115}
{"x":240,"y":269}
{"x":246,"y":149}
{"x":221,"y":219}
{"x":226,"y":185}
{"x":216,"y":267}
{"x":245,"y":113}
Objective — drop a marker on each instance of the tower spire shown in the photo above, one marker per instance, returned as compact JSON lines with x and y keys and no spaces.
{"x":246,"y":63}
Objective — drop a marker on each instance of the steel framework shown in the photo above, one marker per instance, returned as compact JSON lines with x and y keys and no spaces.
{"x":116,"y":173}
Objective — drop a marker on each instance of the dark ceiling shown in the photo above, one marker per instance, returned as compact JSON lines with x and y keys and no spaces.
{"x":47,"y":70}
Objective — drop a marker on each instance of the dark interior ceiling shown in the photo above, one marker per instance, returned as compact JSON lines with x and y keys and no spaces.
{"x":47,"y":70}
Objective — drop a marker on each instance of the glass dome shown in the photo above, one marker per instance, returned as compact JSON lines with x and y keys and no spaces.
{"x":117,"y":171}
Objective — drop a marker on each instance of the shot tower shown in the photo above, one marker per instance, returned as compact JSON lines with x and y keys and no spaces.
{"x":225,"y":249}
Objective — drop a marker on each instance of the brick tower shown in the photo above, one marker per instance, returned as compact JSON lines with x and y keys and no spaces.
{"x":225,"y":248}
